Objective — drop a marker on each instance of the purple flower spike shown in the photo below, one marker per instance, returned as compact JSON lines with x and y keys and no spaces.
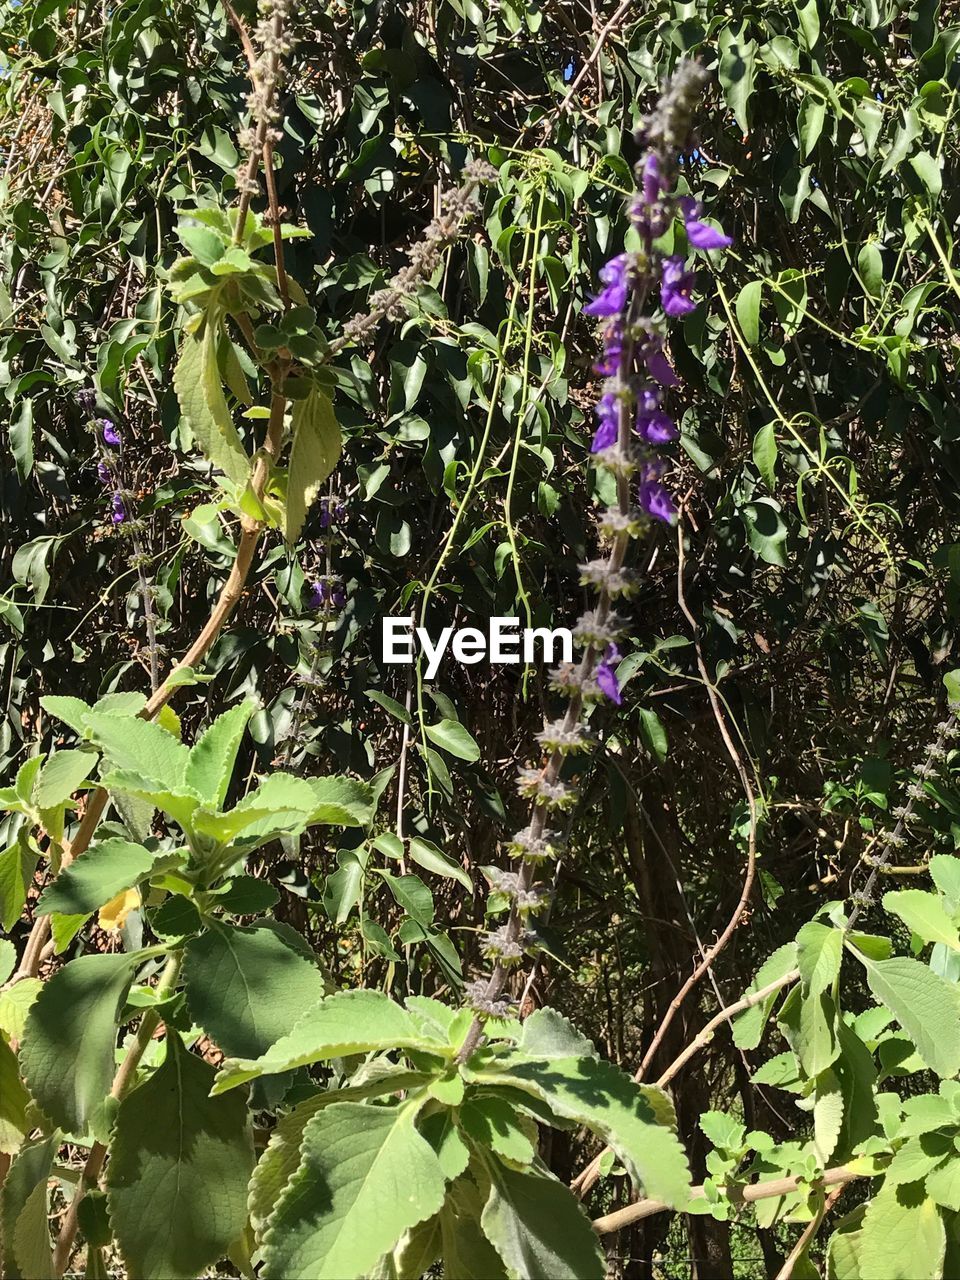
{"x":651,"y":178}
{"x":702,"y":236}
{"x":616,"y":276}
{"x":119,"y":511}
{"x":657,"y":427}
{"x":675,"y":288}
{"x":606,"y":677}
{"x":111,"y":435}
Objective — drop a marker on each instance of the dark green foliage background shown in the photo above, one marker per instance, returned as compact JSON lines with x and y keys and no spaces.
{"x":818,"y":465}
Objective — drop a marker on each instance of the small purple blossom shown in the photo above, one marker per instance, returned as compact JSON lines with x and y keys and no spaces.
{"x":657,"y":427}
{"x":658,"y":366}
{"x":700,"y":234}
{"x":606,"y":677}
{"x":111,"y":435}
{"x":327,"y":592}
{"x":609,"y":363}
{"x":119,"y":513}
{"x":608,"y":413}
{"x":332,"y":511}
{"x":613,"y":299}
{"x":654,"y":499}
{"x":103,"y":472}
{"x":651,"y":178}
{"x":676,"y":285}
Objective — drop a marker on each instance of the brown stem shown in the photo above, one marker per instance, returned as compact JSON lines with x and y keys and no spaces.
{"x":776,"y":1187}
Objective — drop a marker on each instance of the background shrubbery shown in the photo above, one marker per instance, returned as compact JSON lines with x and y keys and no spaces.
{"x":811,"y":588}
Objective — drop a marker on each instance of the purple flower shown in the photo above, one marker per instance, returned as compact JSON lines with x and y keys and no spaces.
{"x":658,"y":366}
{"x":657,"y":427}
{"x":613,"y":299}
{"x":606,"y":677}
{"x":103,"y":472}
{"x":326,"y":592}
{"x":654,"y":499}
{"x":320,"y":594}
{"x":607,"y":411}
{"x":700,"y":234}
{"x":338,"y":596}
{"x":651,"y":178}
{"x":111,"y":435}
{"x":648,"y":399}
{"x":119,"y":511}
{"x":675,"y":287}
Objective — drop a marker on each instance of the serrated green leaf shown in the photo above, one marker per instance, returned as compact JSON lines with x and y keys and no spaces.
{"x":211,"y":760}
{"x":24,"y":1233}
{"x":548,"y":1034}
{"x":345,"y":1023}
{"x":902,"y":1237}
{"x":18,"y":863}
{"x":747,"y":1027}
{"x":538,"y":1227}
{"x":827,"y":1115}
{"x":280,"y":1160}
{"x":315,"y":452}
{"x":491,"y":1120}
{"x":140,"y":747}
{"x":923,"y":913}
{"x":181,"y":1159}
{"x":366,"y":1176}
{"x":61,"y":775}
{"x":926,"y":1006}
{"x":98,"y":875}
{"x":819,"y":951}
{"x":613,"y":1106}
{"x":247,"y":986}
{"x":466,"y":1251}
{"x":14,"y":1101}
{"x":196,"y":380}
{"x":67,"y":1055}
{"x":943,"y":1185}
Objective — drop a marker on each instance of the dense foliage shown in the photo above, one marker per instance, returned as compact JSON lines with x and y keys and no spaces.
{"x":292,"y":339}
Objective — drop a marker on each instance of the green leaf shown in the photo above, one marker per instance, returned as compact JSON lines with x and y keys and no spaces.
{"x":538,"y":1227}
{"x":808,"y":19}
{"x":345,"y":1023}
{"x":747,"y":307}
{"x":870,"y":267}
{"x":177,"y":804}
{"x":736,"y":72}
{"x":427,"y":855}
{"x":98,"y":875}
{"x":24,"y":1232}
{"x":819,"y":951}
{"x":902,"y":1237}
{"x":14,"y":1101}
{"x":613,"y":1106}
{"x":61,"y":775}
{"x":765,"y":454}
{"x":247,"y":986}
{"x":653,"y":733}
{"x":366,"y":1176}
{"x":17,"y":866}
{"x":181,"y":1160}
{"x":8,"y":959}
{"x":548,"y":1034}
{"x":491,"y":1120}
{"x":67,"y":1056}
{"x":923,"y":913}
{"x":141,"y":747}
{"x":813,"y":113}
{"x":248,"y":896}
{"x":723,"y":1130}
{"x":943,"y":1185}
{"x":412,"y":894}
{"x":315,"y":452}
{"x":196,"y":380}
{"x":843,"y":1248}
{"x":453,"y":737}
{"x":467,"y":1253}
{"x":927,"y":1008}
{"x":280,"y":1160}
{"x":748,"y":1026}
{"x":828,"y":1109}
{"x":341,"y":802}
{"x":210,"y":764}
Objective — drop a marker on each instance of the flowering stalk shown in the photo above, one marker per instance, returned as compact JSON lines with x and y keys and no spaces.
{"x":632,"y":426}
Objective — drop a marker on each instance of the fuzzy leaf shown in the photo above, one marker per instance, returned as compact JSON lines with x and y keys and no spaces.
{"x":178,"y":1172}
{"x":24,"y":1233}
{"x":923,"y":913}
{"x":61,"y":775}
{"x":314,"y":454}
{"x":67,"y":1056}
{"x":748,"y":1026}
{"x":902,"y":1237}
{"x":247,"y":986}
{"x":98,"y":875}
{"x":345,"y":1023}
{"x":926,"y":1006}
{"x":212,"y":757}
{"x":366,"y":1177}
{"x":196,"y":380}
